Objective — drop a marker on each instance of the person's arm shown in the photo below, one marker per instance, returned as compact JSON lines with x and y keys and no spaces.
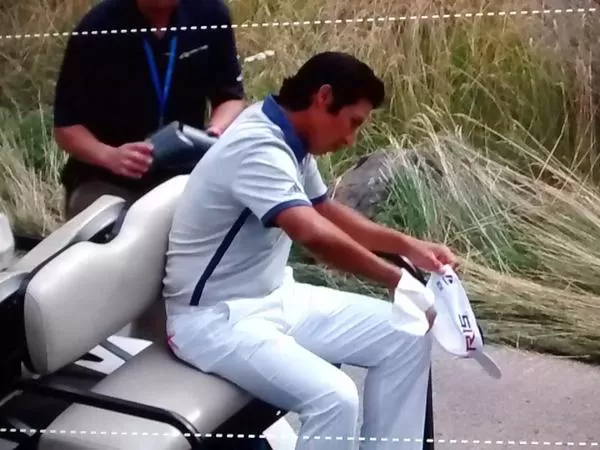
{"x":375,"y":237}
{"x":429,"y":256}
{"x":71,"y":113}
{"x":79,"y":142}
{"x":222,"y":116}
{"x":226,"y":92}
{"x":71,"y":104}
{"x":369,"y":234}
{"x":266,"y":182}
{"x":330,"y":244}
{"x":130,"y":160}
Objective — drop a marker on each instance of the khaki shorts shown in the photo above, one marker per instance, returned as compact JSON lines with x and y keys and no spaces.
{"x":88,"y":192}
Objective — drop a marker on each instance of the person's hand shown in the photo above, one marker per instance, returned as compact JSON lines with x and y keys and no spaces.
{"x":431,"y":257}
{"x":131,"y":160}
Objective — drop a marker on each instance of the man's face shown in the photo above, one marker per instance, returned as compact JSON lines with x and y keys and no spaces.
{"x":331,"y":132}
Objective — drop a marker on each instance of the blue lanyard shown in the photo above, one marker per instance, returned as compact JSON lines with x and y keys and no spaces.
{"x":162,"y":94}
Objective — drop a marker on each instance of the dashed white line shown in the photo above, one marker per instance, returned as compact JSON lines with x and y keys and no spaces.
{"x":328,"y":438}
{"x":458,"y":15}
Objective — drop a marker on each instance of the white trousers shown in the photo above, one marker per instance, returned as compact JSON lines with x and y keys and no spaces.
{"x":281,"y":349}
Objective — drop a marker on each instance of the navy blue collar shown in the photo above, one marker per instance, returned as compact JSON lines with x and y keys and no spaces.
{"x":276,"y":115}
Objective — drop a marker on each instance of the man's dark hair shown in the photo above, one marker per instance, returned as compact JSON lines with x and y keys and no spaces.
{"x":351,"y":80}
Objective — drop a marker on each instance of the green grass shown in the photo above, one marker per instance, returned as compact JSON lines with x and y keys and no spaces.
{"x":505,"y":107}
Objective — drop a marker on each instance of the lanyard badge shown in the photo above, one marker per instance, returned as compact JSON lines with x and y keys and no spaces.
{"x":162,"y":94}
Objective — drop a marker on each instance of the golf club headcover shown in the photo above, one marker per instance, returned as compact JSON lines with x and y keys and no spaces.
{"x":178,"y":148}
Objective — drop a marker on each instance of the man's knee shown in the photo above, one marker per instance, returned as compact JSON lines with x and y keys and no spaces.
{"x":346,"y":395}
{"x":416,"y":351}
{"x":340,"y":396}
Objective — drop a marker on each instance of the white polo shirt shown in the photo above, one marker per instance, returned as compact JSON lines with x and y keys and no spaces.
{"x":223,"y":244}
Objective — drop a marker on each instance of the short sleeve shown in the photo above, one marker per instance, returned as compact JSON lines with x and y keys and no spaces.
{"x":267,"y":183}
{"x":227,"y":80}
{"x":70,"y":97}
{"x":315,"y":188}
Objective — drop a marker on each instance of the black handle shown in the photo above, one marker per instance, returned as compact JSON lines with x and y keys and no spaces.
{"x":401,"y":262}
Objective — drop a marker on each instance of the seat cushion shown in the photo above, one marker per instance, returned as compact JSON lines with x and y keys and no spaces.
{"x":153,"y":377}
{"x":92,"y":290}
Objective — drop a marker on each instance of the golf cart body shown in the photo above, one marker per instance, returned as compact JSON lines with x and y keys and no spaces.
{"x":84,"y":290}
{"x":99,"y":272}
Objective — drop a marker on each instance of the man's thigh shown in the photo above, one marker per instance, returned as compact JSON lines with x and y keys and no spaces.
{"x":347,"y":328}
{"x":256,"y":354}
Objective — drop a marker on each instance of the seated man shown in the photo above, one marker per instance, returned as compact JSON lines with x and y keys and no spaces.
{"x":114,"y":90}
{"x":233,"y":306}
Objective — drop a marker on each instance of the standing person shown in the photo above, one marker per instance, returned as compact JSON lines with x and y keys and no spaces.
{"x":233,"y":306}
{"x":115,"y":88}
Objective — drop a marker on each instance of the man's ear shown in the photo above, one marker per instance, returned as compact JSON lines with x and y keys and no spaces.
{"x":324,"y":97}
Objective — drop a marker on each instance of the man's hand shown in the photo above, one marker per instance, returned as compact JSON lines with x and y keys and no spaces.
{"x":130,"y":160}
{"x":430,"y":256}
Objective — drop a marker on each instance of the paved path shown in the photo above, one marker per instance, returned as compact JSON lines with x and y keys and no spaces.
{"x":540,"y":402}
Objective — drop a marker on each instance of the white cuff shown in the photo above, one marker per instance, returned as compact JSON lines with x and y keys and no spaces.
{"x":420,"y":294}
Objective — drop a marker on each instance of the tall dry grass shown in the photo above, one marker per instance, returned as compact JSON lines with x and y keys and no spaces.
{"x":504,"y":105}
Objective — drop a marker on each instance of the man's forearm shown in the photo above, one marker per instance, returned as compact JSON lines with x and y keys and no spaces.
{"x":225,"y":113}
{"x":340,"y":251}
{"x":371,"y":235}
{"x":83,"y":145}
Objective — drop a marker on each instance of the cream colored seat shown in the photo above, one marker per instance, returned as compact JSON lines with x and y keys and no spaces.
{"x":91,"y":223}
{"x":96,"y":218}
{"x":89,"y":292}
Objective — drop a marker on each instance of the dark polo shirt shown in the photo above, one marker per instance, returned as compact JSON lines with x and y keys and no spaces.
{"x":107,"y":81}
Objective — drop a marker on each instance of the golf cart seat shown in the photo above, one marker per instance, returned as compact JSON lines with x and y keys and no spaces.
{"x":16,"y":269}
{"x":89,"y":292}
{"x":93,"y":220}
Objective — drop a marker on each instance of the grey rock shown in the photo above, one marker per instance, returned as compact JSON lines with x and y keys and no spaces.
{"x":367,"y":184}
